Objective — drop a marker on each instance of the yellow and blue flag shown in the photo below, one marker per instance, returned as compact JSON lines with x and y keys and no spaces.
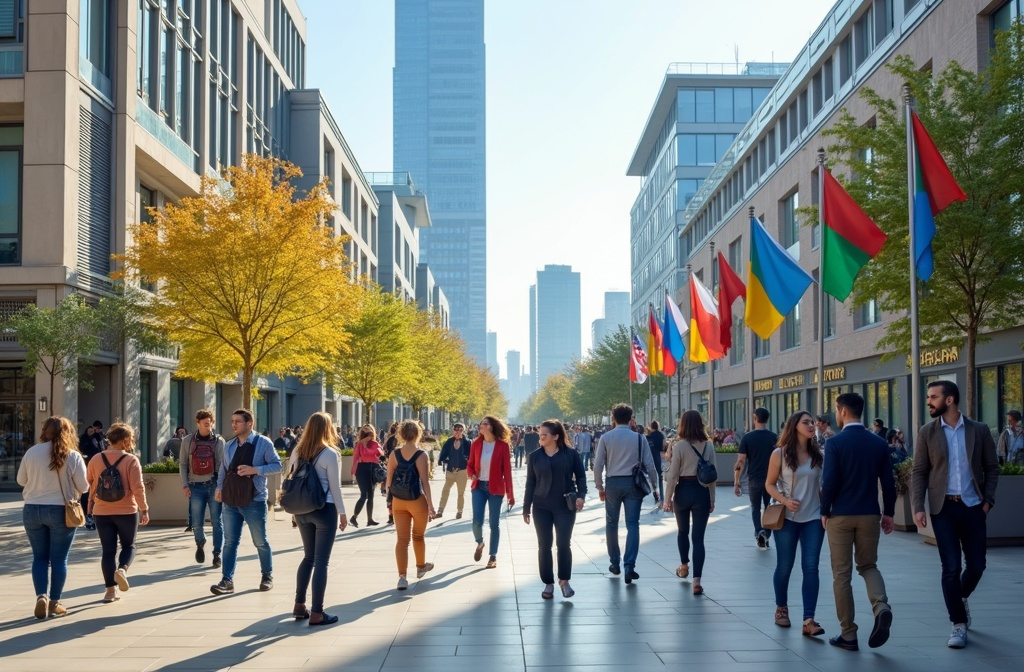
{"x":775,"y":282}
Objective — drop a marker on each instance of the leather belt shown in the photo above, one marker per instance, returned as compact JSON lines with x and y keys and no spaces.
{"x":954,"y":498}
{"x":452,"y":471}
{"x":687,"y":478}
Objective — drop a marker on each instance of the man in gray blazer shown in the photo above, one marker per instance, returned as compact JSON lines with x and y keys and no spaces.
{"x":955,"y":463}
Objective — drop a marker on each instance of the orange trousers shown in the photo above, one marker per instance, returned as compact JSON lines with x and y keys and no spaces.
{"x":410,"y":518}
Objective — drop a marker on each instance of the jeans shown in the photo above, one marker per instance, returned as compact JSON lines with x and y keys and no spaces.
{"x":482,"y":498}
{"x":759,"y":499}
{"x":586,"y":460}
{"x":50,"y":540}
{"x":317,"y":529}
{"x":810,"y":536}
{"x":519,"y":453}
{"x":854,"y":539}
{"x":253,"y":514}
{"x":202,"y":497}
{"x":619,"y":491}
{"x":111,"y":529}
{"x":411,"y":518}
{"x":554,"y":522}
{"x":364,"y":477}
{"x":960,"y":528}
{"x":691,"y":499}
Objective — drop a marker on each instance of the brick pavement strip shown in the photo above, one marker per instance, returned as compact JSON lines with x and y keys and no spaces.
{"x":462,"y":616}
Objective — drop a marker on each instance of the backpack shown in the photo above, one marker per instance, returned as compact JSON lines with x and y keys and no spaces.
{"x":405,"y":482}
{"x":301,"y":492}
{"x":201,"y":459}
{"x":109,"y":487}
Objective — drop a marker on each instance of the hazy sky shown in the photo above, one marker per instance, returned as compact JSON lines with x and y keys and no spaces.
{"x":570,"y":84}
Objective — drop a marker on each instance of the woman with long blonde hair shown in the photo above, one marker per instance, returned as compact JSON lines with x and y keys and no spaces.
{"x":319,"y":447}
{"x":52,"y":473}
{"x":490,"y":467}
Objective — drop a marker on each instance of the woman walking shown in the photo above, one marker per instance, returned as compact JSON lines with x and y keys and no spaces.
{"x":318,"y":446}
{"x":689,"y":498}
{"x":52,"y":473}
{"x":390,"y":442}
{"x":556,"y":486}
{"x":490,"y":467}
{"x":794,"y":480}
{"x":117,"y":503}
{"x":366,"y":455}
{"x":410,"y":501}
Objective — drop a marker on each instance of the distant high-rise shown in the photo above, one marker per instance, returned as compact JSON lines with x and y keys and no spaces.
{"x":555,"y":335}
{"x":616,"y":313}
{"x":439,"y":136}
{"x":492,"y":353}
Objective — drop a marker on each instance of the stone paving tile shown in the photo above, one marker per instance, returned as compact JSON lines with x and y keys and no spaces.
{"x":461,"y":616}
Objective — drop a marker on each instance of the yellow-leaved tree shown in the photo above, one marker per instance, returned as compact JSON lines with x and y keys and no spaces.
{"x":440,"y":365}
{"x":247,"y":276}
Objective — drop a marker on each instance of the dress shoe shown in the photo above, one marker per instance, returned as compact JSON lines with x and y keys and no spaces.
{"x":841,"y":643}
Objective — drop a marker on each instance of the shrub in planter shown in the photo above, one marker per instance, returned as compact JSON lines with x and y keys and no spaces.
{"x":168,"y":466}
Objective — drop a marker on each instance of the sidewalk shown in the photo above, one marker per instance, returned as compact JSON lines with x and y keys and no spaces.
{"x":462,"y":617}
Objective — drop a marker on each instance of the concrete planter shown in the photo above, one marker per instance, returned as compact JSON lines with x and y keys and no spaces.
{"x":346,"y":470}
{"x":726,"y":463}
{"x":1004,"y":526}
{"x":167,"y":504}
{"x":903,"y":518}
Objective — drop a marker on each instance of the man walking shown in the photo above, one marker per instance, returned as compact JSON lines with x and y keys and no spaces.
{"x":824,"y":429}
{"x":955,"y":463}
{"x":202,"y":455}
{"x":1011,"y":441}
{"x":583,"y":442}
{"x":251,"y":456}
{"x":531,"y":440}
{"x":756,"y":449}
{"x":656,"y":440}
{"x":454,"y":455}
{"x":617,"y":452}
{"x":856,"y":461}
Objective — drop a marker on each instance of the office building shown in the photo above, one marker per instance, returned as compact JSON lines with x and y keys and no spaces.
{"x":439,"y":137}
{"x":616,"y":314}
{"x":555,"y":326}
{"x":515,"y":385}
{"x":492,"y":353}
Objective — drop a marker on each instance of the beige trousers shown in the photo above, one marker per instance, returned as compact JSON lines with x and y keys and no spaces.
{"x":453,"y":478}
{"x":854,"y":539}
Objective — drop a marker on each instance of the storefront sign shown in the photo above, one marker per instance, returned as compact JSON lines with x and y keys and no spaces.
{"x":832,"y":375}
{"x":937,"y":357}
{"x":766,"y":385}
{"x":789,"y":382}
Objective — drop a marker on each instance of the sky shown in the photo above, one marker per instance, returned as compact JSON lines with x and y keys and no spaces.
{"x":570,"y":86}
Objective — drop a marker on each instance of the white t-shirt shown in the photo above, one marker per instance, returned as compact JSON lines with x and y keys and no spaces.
{"x":485,"y":460}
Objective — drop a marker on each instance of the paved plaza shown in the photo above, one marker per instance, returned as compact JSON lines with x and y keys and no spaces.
{"x":462,"y":617}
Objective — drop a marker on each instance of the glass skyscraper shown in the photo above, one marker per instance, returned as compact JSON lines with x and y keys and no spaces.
{"x":439,"y":137}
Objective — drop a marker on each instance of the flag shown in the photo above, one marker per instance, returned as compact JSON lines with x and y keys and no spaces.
{"x":705,"y":327}
{"x":637,"y":362}
{"x":654,"y":355}
{"x":730,"y":288}
{"x":849,"y":241}
{"x":673,"y":329}
{"x":775,"y":282}
{"x":935,"y":189}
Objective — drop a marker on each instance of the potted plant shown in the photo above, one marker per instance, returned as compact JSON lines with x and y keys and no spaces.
{"x":167,"y":503}
{"x":346,"y":465}
{"x":725,"y":458}
{"x":903,"y":519}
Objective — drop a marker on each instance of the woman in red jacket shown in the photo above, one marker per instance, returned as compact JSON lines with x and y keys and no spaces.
{"x":490,"y":467}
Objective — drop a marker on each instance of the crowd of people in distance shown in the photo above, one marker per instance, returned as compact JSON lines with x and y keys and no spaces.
{"x":806,"y":485}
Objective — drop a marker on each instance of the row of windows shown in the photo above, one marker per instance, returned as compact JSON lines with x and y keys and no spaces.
{"x":719,"y":105}
{"x":703,"y":149}
{"x":12,"y":21}
{"x":265,"y":103}
{"x":288,"y":45}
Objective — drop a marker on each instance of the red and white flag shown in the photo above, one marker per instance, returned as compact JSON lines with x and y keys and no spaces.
{"x":637,"y":362}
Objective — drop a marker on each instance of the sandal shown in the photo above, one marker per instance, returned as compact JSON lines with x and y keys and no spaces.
{"x":300,"y":612}
{"x":492,"y":562}
{"x":683,"y":571}
{"x":698,"y":589}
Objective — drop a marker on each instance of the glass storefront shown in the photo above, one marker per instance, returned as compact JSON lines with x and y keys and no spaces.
{"x":1000,"y":389}
{"x":17,"y":423}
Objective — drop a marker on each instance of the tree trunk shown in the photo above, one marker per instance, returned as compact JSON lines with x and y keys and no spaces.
{"x":367,"y":412}
{"x":247,"y":389}
{"x":970,"y":400}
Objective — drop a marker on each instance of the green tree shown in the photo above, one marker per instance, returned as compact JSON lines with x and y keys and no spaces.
{"x":545,"y":403}
{"x":440,"y":359}
{"x":977,"y":122}
{"x":56,"y":339}
{"x":601,"y":380}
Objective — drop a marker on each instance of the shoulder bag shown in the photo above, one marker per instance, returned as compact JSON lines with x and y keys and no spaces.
{"x":774,"y":515}
{"x":570,"y":494}
{"x":640,"y":481}
{"x":239,"y":490}
{"x":707,"y":472}
{"x":73,"y":514}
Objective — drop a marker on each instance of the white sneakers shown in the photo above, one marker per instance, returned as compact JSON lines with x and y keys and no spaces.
{"x":403,"y":583}
{"x":121,"y":578}
{"x":958,"y":638}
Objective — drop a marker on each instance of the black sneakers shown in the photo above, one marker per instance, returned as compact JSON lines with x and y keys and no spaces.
{"x":266,"y":583}
{"x":631,"y":576}
{"x":216,"y":560}
{"x":225,"y":587}
{"x":200,"y":553}
{"x":762,"y":541}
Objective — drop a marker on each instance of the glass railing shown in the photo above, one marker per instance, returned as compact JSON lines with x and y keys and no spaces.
{"x":752,"y":69}
{"x":154,"y":124}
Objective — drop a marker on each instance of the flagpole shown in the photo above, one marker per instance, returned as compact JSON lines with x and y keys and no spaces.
{"x":915,"y":339}
{"x":631,"y":337}
{"x":668,"y":382}
{"x":821,"y":282}
{"x":753,"y":336}
{"x":711,"y":364}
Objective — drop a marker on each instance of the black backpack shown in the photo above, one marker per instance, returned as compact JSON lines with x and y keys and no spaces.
{"x":109,"y":486}
{"x":301,"y":492}
{"x":405,"y":482}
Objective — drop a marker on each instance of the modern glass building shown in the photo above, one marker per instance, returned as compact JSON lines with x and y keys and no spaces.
{"x":616,"y":314}
{"x":555,"y":336}
{"x":439,"y":137}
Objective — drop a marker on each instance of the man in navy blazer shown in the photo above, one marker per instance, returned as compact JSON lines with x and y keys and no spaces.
{"x":856,"y":461}
{"x":955,"y":462}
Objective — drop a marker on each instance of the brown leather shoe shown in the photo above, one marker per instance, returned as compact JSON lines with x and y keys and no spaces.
{"x":812,"y":628}
{"x":782,"y":617}
{"x":57,"y":609}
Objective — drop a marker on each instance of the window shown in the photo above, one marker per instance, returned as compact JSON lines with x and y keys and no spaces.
{"x":762,"y":347}
{"x":739,"y":341}
{"x":817,"y":92}
{"x":706,"y":150}
{"x":95,"y":44}
{"x":346,"y":194}
{"x":742,"y":107}
{"x":705,"y":105}
{"x":864,"y":36}
{"x":789,"y":225}
{"x":845,"y":59}
{"x":1003,"y":18}
{"x":804,"y":110}
{"x":829,"y":78}
{"x":736,"y":254}
{"x":686,"y":104}
{"x":791,"y":329}
{"x":147,"y":200}
{"x":11,"y":140}
{"x":883,"y":19}
{"x":724,"y":106}
{"x":866,"y":315}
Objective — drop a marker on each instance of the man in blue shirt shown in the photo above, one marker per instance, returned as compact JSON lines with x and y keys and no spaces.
{"x":955,"y":463}
{"x":254,"y":512}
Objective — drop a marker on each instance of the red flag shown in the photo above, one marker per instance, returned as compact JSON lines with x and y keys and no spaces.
{"x":730,"y":288}
{"x":637,"y":362}
{"x":938,"y":180}
{"x":655,"y":355}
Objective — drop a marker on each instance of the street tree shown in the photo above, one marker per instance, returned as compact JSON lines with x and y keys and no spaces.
{"x":247,"y":276}
{"x":601,"y":379}
{"x":440,"y":365}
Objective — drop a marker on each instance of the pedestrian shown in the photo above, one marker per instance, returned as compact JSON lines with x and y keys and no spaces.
{"x":823,"y":427}
{"x":617,"y":452}
{"x":756,"y":449}
{"x":172,"y":448}
{"x":583,"y":441}
{"x":490,"y":468}
{"x":879,"y":428}
{"x":1011,"y":441}
{"x":89,"y":445}
{"x":117,"y":499}
{"x":319,"y":446}
{"x":366,"y":457}
{"x":556,"y":487}
{"x":955,"y":465}
{"x":519,"y":446}
{"x":856,"y":461}
{"x":390,"y":441}
{"x":202,"y":455}
{"x":242,"y":489}
{"x":794,"y":480}
{"x":531,"y":440}
{"x":410,"y":501}
{"x":690,"y":498}
{"x":51,"y":474}
{"x":453,"y":459}
{"x":656,"y":440}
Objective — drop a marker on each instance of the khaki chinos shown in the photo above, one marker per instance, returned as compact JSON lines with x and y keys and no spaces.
{"x":454,"y":477}
{"x":854,"y":540}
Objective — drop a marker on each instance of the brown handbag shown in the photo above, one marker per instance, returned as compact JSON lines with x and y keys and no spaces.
{"x":774,"y":516}
{"x":73,"y":514}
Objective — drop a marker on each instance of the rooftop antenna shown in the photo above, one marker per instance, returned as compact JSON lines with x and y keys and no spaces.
{"x":736,"y":54}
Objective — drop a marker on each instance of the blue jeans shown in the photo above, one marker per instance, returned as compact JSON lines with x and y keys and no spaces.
{"x":482,"y":499}
{"x":620,"y":490}
{"x":51,"y":541}
{"x":254,"y":515}
{"x":810,"y":536}
{"x":202,"y":496}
